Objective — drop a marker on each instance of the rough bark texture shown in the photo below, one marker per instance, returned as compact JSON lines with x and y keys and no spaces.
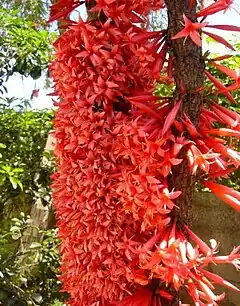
{"x":188,"y":74}
{"x":42,"y":218}
{"x":92,"y":16}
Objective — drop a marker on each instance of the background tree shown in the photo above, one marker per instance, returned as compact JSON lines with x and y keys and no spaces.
{"x":24,"y":181}
{"x":29,"y":55}
{"x":28,"y":247}
{"x":30,"y":10}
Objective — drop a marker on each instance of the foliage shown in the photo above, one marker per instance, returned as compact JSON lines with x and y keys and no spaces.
{"x":37,"y":285}
{"x":24,"y":135}
{"x":128,"y":160}
{"x":14,"y":103}
{"x":28,"y":273}
{"x":24,"y":46}
{"x":31,"y":10}
{"x":24,"y":177}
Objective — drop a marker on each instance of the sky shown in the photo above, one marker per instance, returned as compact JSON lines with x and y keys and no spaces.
{"x":19,"y":86}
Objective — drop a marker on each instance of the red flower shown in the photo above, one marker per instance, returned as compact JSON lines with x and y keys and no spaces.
{"x":191,"y":30}
{"x":228,"y":195}
{"x":35,"y":93}
{"x":62,"y":8}
{"x":234,"y":74}
{"x":116,"y":146}
{"x":219,"y":5}
{"x":221,"y":87}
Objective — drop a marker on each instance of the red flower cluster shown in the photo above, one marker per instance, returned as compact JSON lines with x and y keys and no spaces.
{"x":116,"y":146}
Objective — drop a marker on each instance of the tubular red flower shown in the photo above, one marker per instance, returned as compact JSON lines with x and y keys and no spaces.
{"x":228,"y":195}
{"x":216,"y":7}
{"x":191,"y":30}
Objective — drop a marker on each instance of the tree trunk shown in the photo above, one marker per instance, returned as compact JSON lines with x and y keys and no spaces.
{"x":188,"y":74}
{"x":42,"y":218}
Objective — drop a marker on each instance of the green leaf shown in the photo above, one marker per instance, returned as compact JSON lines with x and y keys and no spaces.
{"x":6,"y":168}
{"x":20,"y":184}
{"x":2,"y":179}
{"x":16,"y":236}
{"x":15,"y":220}
{"x":14,"y":229}
{"x":17,"y":170}
{"x":14,"y":182}
{"x":35,"y":245}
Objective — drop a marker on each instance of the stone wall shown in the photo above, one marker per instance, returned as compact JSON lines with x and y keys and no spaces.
{"x":215,"y":219}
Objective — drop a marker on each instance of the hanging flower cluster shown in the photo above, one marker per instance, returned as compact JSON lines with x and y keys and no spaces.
{"x":117,"y":144}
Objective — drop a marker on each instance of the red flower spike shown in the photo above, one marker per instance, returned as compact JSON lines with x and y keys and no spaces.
{"x":141,"y":297}
{"x":226,"y":116}
{"x":190,"y":127}
{"x":62,"y":8}
{"x":218,"y":6}
{"x":224,"y":132}
{"x":210,"y":296}
{"x":170,"y":118}
{"x":223,"y":173}
{"x":234,"y":74}
{"x":225,"y":27}
{"x":202,"y":245}
{"x":229,"y":72}
{"x":228,"y":195}
{"x":179,"y":143}
{"x":35,"y":93}
{"x":146,"y":109}
{"x":234,"y":117}
{"x":143,"y":98}
{"x":193,"y":291}
{"x":221,"y":58}
{"x":165,"y":294}
{"x":172,"y":235}
{"x":191,"y":30}
{"x":158,"y":65}
{"x":219,"y":280}
{"x":219,"y":39}
{"x":151,"y":242}
{"x":233,"y":258}
{"x":144,"y":36}
{"x":221,"y":87}
{"x":159,"y":302}
{"x":154,"y":301}
{"x":178,"y":125}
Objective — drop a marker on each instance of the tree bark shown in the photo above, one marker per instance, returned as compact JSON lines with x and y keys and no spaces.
{"x":188,"y":74}
{"x":42,"y":218}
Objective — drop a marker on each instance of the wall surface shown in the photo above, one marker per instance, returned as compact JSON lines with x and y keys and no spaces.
{"x":215,"y":219}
